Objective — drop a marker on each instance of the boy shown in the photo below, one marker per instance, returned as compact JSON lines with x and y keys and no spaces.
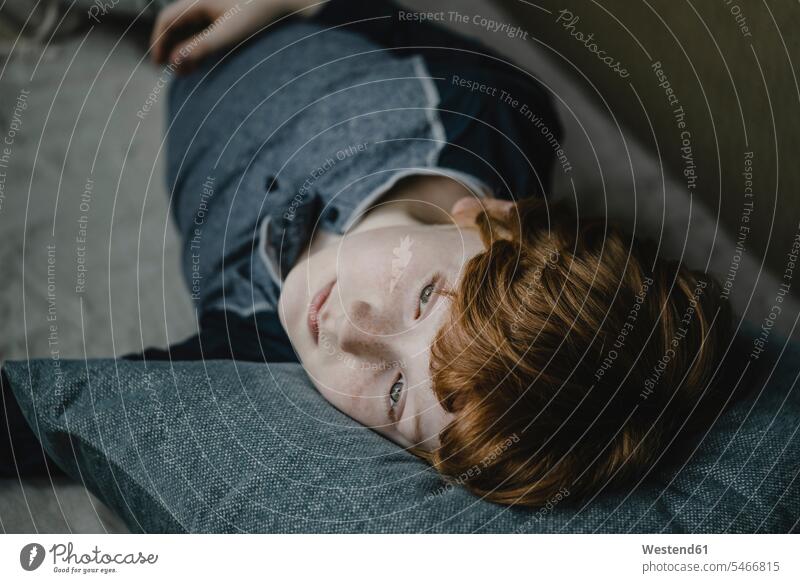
{"x":355,"y":193}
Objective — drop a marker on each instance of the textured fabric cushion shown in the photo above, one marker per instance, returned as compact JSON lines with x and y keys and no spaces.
{"x":225,"y":446}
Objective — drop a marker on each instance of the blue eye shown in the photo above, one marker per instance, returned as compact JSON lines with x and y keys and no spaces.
{"x":426,"y":295}
{"x":396,"y":392}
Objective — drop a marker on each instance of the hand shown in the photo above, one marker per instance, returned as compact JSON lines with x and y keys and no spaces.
{"x":466,"y":210}
{"x":188,"y":30}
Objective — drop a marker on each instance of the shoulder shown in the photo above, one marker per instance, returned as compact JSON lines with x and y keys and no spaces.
{"x":500,"y":124}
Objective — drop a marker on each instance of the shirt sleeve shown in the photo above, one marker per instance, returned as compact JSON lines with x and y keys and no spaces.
{"x":499,"y":120}
{"x":372,"y":18}
{"x":507,"y":133}
{"x":392,"y":26}
{"x":227,"y":335}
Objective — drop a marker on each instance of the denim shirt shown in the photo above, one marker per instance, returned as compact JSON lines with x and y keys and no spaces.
{"x":311,"y":121}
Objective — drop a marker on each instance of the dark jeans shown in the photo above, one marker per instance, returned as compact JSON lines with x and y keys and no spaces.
{"x":21,"y":454}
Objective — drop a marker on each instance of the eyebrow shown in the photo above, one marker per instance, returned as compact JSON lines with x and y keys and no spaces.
{"x":416,"y":434}
{"x":417,"y":429}
{"x":391,"y":415}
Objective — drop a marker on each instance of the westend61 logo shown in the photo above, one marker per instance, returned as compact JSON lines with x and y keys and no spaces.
{"x":66,"y":560}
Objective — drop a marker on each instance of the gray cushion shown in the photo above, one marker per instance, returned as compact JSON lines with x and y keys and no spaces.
{"x":224,"y":446}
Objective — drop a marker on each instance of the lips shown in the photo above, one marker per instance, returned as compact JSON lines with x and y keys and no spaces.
{"x":314,"y":309}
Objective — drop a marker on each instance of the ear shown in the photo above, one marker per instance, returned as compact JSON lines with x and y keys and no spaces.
{"x":465,"y":210}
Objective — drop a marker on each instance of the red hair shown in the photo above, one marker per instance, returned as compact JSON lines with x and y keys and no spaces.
{"x":572,"y":356}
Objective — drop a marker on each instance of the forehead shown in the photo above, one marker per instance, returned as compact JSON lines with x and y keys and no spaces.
{"x":395,"y":234}
{"x":385,"y":248}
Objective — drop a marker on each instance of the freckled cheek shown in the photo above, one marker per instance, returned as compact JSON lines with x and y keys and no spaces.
{"x":346,"y":389}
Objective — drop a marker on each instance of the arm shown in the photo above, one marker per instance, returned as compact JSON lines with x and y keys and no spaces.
{"x":189,"y":30}
{"x":258,"y":337}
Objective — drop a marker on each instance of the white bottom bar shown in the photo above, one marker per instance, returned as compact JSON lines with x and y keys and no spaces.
{"x":389,"y":558}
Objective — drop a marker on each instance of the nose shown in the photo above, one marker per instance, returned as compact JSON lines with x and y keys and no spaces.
{"x":360,"y":330}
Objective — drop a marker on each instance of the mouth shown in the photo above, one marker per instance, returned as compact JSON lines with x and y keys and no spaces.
{"x":314,"y":309}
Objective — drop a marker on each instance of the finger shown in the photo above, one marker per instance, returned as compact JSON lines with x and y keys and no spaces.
{"x":465,"y":205}
{"x":499,"y":205}
{"x":169,"y":18}
{"x":469,"y":207}
{"x":466,"y":210}
{"x":186,"y":55}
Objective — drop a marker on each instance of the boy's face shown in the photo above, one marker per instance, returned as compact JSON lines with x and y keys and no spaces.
{"x":366,"y":347}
